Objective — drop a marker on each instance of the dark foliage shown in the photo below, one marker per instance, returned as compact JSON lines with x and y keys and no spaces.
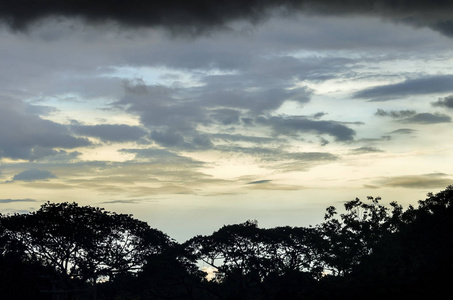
{"x":368,"y":252}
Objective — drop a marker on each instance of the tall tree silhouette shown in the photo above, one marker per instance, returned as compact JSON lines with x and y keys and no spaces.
{"x":347,"y":239}
{"x":82,"y":241}
{"x":414,"y":262}
{"x":248,"y":259}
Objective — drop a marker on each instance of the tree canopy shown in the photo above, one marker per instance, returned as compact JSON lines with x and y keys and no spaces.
{"x":83,"y":241}
{"x":369,"y":248}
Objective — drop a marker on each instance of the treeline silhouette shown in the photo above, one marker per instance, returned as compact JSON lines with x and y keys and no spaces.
{"x":370,"y":251}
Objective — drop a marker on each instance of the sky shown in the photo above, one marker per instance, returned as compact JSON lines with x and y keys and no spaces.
{"x":195,"y":114}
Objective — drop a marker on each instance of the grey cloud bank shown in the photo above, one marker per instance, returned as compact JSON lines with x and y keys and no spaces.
{"x":25,"y":135}
{"x":33,"y":175}
{"x":290,"y":125}
{"x":110,"y":133}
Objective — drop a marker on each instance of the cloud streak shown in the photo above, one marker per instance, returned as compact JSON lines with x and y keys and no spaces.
{"x":291,"y":125}
{"x":411,"y":116}
{"x":16,"y":200}
{"x":426,"y":181}
{"x":419,"y":86}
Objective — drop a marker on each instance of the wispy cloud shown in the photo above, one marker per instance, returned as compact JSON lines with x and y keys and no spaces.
{"x":411,"y":116}
{"x":365,"y":150}
{"x":418,"y":86}
{"x":426,"y":181}
{"x":16,"y":200}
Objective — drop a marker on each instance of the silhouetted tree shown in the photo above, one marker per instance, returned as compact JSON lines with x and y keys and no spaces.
{"x":369,"y":251}
{"x":414,"y":262}
{"x":245,"y":257}
{"x":347,"y":239}
{"x":20,"y":279}
{"x":171,"y":274}
{"x":83,"y":241}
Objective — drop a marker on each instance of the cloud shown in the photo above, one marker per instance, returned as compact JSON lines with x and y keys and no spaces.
{"x":243,"y":138}
{"x":16,"y":200}
{"x":174,"y":13}
{"x":403,"y":131}
{"x":110,"y":133}
{"x":24,"y":135}
{"x":290,"y":125}
{"x":129,"y":201}
{"x":419,"y":86}
{"x":161,"y":156}
{"x":428,"y":118}
{"x":395,"y":114}
{"x":33,"y":175}
{"x":269,"y":154}
{"x":269,"y":185}
{"x":176,"y":116}
{"x":190,"y":140}
{"x":411,"y":116}
{"x":259,"y":182}
{"x":254,"y":99}
{"x":424,"y":181}
{"x":446,"y":102}
{"x":226,"y":116}
{"x":169,"y":113}
{"x":195,"y":17}
{"x":365,"y":150}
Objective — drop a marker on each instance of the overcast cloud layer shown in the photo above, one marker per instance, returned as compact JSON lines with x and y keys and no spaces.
{"x":195,"y":113}
{"x":199,"y":16}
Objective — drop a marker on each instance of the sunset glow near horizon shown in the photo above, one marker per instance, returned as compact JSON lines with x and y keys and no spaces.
{"x":272,"y":120}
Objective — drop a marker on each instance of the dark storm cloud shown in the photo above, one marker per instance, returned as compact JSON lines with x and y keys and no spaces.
{"x":33,"y":175}
{"x":27,"y":136}
{"x":444,"y":102}
{"x":197,"y":16}
{"x":110,"y":133}
{"x":418,"y":86}
{"x":291,"y":125}
{"x":171,"y":13}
